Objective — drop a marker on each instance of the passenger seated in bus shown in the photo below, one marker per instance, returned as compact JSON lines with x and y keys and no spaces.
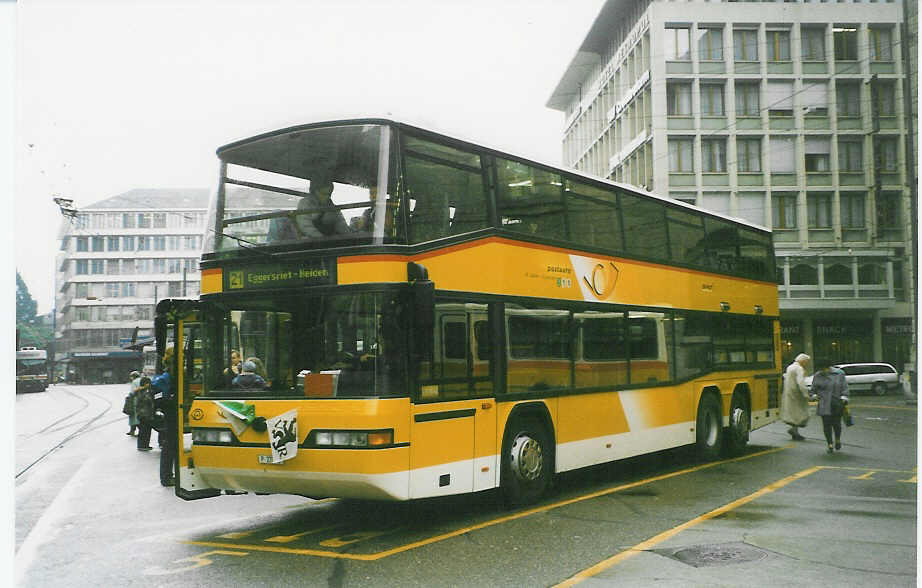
{"x":234,"y":370}
{"x":328,"y":221}
{"x":248,"y":379}
{"x":260,"y":370}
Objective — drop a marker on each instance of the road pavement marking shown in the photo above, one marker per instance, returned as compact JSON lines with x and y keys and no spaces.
{"x":912,"y":480}
{"x":868,"y":475}
{"x":653,"y":541}
{"x":485,"y":524}
{"x":198,"y":561}
{"x":237,"y":535}
{"x":290,"y":538}
{"x":884,"y":406}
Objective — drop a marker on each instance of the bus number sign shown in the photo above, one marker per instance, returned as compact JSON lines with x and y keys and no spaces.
{"x":311,"y":273}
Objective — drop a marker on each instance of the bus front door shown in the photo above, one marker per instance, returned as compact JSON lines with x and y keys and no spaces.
{"x":179,"y":327}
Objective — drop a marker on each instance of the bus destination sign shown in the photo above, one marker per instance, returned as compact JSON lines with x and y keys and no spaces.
{"x":318,"y":272}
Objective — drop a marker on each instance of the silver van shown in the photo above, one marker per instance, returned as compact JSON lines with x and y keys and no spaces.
{"x":878,"y":378}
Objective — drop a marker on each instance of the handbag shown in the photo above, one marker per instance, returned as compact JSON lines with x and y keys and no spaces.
{"x":847,"y":416}
{"x":126,"y":408}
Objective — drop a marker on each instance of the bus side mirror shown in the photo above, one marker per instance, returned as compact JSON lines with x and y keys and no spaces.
{"x":422,"y":302}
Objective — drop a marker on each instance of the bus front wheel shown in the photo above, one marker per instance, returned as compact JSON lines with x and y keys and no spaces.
{"x":526,"y":462}
{"x":709,"y":428}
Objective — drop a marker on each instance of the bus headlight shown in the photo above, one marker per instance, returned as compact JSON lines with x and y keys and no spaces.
{"x":221,"y":436}
{"x":379,"y":438}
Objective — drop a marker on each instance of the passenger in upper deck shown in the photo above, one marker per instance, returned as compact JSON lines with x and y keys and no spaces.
{"x":311,"y":225}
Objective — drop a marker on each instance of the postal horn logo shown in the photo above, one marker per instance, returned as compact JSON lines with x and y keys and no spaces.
{"x":602,"y":279}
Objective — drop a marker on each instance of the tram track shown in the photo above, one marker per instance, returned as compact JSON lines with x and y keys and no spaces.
{"x":86,"y":427}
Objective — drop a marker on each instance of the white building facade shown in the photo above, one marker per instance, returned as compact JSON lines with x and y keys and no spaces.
{"x":790,"y":115}
{"x":117,"y":258}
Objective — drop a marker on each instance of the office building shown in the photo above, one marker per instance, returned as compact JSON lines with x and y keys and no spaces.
{"x":117,"y":258}
{"x":790,"y":115}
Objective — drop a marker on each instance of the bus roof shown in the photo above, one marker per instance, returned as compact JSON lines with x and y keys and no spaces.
{"x":502,"y":153}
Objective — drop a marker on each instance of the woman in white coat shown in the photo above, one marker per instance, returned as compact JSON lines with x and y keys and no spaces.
{"x":795,"y":395}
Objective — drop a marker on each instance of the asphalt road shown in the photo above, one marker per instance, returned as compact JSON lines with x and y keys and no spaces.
{"x":90,"y":512}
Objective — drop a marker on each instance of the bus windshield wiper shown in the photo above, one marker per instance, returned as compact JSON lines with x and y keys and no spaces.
{"x":245,"y":244}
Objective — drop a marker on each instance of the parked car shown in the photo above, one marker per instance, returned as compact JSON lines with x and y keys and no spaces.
{"x":878,"y":378}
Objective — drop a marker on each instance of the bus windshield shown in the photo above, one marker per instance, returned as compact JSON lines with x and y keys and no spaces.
{"x":315,"y":346}
{"x":310,"y":186}
{"x":30,"y":366}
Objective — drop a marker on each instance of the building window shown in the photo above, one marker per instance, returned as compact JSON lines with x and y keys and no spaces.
{"x":143,"y":243}
{"x":83,"y":244}
{"x":816,"y":154}
{"x":680,"y":156}
{"x":175,"y":266}
{"x":745,"y":45}
{"x":112,"y":290}
{"x":887,"y":154}
{"x":113,"y":243}
{"x":98,"y":244}
{"x":815,"y":98}
{"x":173,"y":242}
{"x":82,"y":313}
{"x":813,"y":43}
{"x":850,"y":156}
{"x":784,"y":211}
{"x":144,"y":220}
{"x":848,"y":102}
{"x":714,"y":155}
{"x":846,"y":44}
{"x":779,"y":98}
{"x":712,"y":100}
{"x":751,"y":206}
{"x":159,"y":220}
{"x":82,"y":267}
{"x":175,"y":289}
{"x":676,"y":44}
{"x":778,"y":45}
{"x":127,"y":243}
{"x":710,"y":44}
{"x":747,"y":99}
{"x":97,"y":266}
{"x":819,"y":211}
{"x":781,"y":153}
{"x":97,"y":221}
{"x":804,"y":275}
{"x":82,"y":290}
{"x":749,"y":154}
{"x":128,"y":290}
{"x":678,"y":99}
{"x":851,"y":210}
{"x":885,"y":99}
{"x":190,"y":242}
{"x":128,"y":220}
{"x":881,"y":44}
{"x":888,"y":210}
{"x":159,"y":266}
{"x":112,"y":267}
{"x":159,"y":243}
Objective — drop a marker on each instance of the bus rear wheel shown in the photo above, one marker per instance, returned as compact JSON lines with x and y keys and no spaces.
{"x":738,"y":431}
{"x":526,"y":462}
{"x":708,"y":429}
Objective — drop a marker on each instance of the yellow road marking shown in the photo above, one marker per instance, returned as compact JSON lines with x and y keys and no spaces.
{"x":649,"y":543}
{"x":237,"y":535}
{"x":827,"y":467}
{"x":337,"y":542}
{"x":912,"y":480}
{"x":290,"y":538}
{"x":485,"y":524}
{"x":869,"y":475}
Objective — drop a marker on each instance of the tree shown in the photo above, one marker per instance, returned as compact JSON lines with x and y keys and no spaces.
{"x":26,"y":306}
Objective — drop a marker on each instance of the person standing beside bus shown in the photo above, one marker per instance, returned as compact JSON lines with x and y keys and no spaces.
{"x":134,"y":380}
{"x":794,"y":397}
{"x":144,"y":410}
{"x":831,"y":391}
{"x":162,"y":386}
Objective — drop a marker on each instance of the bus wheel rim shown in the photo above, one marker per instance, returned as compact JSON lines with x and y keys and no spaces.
{"x":739,"y":423}
{"x":527,"y":458}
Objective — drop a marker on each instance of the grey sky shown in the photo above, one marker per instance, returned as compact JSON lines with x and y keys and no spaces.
{"x":116,"y":95}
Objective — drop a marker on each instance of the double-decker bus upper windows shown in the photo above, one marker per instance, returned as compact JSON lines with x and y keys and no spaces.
{"x":276,"y":189}
{"x":593,"y":216}
{"x":530,"y":200}
{"x":644,"y":227}
{"x":722,"y":242}
{"x":756,"y":258}
{"x":686,"y":237}
{"x":445,"y":188}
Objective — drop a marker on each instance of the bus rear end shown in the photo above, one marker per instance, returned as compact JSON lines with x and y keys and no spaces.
{"x":31,"y":370}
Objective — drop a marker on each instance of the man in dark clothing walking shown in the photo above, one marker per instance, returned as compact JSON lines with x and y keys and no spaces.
{"x":162,"y":386}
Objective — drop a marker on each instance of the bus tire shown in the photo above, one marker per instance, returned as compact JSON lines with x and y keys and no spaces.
{"x":740,"y":423}
{"x":708,"y":428}
{"x":526,"y":462}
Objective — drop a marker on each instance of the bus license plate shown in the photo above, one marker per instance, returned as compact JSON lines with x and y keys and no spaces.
{"x":266,"y":459}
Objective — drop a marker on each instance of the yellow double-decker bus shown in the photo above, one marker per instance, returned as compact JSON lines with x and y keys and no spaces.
{"x":418,"y":316}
